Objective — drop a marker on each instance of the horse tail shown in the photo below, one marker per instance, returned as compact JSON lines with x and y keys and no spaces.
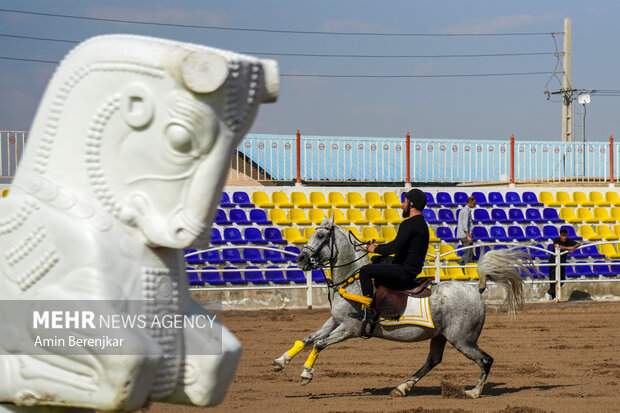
{"x":505,"y":266}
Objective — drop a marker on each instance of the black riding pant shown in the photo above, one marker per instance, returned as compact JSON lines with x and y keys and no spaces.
{"x":389,"y":275}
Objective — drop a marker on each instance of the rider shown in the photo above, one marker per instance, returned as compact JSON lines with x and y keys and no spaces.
{"x":409,"y":247}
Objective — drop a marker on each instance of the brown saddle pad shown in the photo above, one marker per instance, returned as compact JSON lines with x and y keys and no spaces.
{"x":392,"y":303}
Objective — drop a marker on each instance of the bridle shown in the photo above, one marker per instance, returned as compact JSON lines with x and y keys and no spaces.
{"x":317,"y":263}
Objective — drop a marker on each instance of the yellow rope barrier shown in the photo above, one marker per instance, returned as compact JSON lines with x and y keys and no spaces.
{"x":365,"y":301}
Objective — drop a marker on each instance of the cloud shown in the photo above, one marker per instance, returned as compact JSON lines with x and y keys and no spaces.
{"x":160,"y":14}
{"x":498,"y":24}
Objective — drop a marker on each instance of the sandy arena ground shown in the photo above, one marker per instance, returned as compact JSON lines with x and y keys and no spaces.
{"x":552,"y":358}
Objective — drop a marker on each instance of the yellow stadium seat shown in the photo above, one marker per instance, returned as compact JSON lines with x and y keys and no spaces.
{"x":298,"y":217}
{"x":316,"y":216}
{"x":431,"y":235}
{"x":612,"y":198}
{"x":585,"y":215}
{"x":597,"y":199}
{"x":602,"y":215}
{"x":430,"y":254}
{"x":374,"y":217}
{"x":392,"y":216}
{"x":261,"y":199}
{"x":278,"y":217}
{"x":471,"y":271}
{"x":355,"y":217}
{"x":293,"y":235}
{"x":337,"y":200}
{"x":547,"y":198}
{"x":615,"y":213}
{"x":430,"y":272}
{"x":374,"y":200}
{"x":581,"y":199}
{"x":300,"y":200}
{"x":5,"y":193}
{"x":339,"y":218}
{"x":318,"y":200}
{"x":280,"y":200}
{"x":616,"y":229}
{"x":564,"y":198}
{"x":454,"y":272}
{"x":449,"y":251}
{"x":568,"y":215}
{"x":355,"y":233}
{"x":370,"y":233}
{"x":608,"y":250}
{"x":605,"y":233}
{"x":388,"y":233}
{"x":308,"y":231}
{"x":586,"y":231}
{"x":355,"y":200}
{"x":391,"y":199}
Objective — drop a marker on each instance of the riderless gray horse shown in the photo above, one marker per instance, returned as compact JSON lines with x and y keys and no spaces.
{"x":457,"y":308}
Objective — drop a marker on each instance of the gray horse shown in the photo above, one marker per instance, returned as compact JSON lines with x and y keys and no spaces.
{"x":457,"y":308}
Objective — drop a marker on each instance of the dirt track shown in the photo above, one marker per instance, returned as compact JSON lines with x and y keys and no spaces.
{"x":560,"y":358}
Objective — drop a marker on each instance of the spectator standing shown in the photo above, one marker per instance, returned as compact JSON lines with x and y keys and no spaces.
{"x":560,"y":244}
{"x":464,"y":227}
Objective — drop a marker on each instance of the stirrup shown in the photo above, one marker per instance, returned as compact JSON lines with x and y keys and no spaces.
{"x":364,"y":315}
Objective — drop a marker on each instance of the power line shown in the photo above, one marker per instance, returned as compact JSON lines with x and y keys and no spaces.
{"x":247,"y":29}
{"x":328,"y":55}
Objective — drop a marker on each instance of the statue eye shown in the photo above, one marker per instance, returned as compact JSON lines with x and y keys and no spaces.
{"x":180,"y":138}
{"x":320,"y":234}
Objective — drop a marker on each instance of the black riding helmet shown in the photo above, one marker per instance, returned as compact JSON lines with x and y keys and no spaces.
{"x":416,"y":198}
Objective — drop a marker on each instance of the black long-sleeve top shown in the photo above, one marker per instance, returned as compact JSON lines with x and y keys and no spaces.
{"x":409,"y":246}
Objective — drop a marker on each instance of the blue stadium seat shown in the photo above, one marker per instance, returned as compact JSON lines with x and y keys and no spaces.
{"x":533,"y":232}
{"x":496,"y":199}
{"x":253,"y":236}
{"x":221,"y":218}
{"x":615,"y":267}
{"x":584,"y":269}
{"x":543,"y":271}
{"x":499,"y":215}
{"x":571,"y":232}
{"x":254,"y":277}
{"x":216,"y":236}
{"x":570,"y":271}
{"x":237,"y":216}
{"x":233,"y":277}
{"x":482,"y":216}
{"x":193,"y":259}
{"x":516,"y":215}
{"x":430,"y":200}
{"x":429,"y":216}
{"x":274,"y":257}
{"x":602,"y":268}
{"x":531,"y":199}
{"x":242,"y":199}
{"x":213,"y":257}
{"x":274,"y":236}
{"x":551,"y":215}
{"x":589,"y":251}
{"x":514,"y":199}
{"x":539,"y":254}
{"x":193,"y":278}
{"x":445,"y":234}
{"x":498,"y":233}
{"x":253,"y":255}
{"x":293,"y":249}
{"x":481,"y":199}
{"x":232,"y":256}
{"x":445,"y":200}
{"x":259,"y":217}
{"x":481,"y":234}
{"x":446,"y":216}
{"x":516,"y":233}
{"x":550,"y":232}
{"x":212,"y":277}
{"x":225,"y":201}
{"x":275,"y":275}
{"x":533,"y":215}
{"x":233,"y":235}
{"x":460,"y":198}
{"x":318,"y":276}
{"x":294,"y":274}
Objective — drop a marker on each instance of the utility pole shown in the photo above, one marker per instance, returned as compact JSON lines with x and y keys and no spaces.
{"x":567,"y":87}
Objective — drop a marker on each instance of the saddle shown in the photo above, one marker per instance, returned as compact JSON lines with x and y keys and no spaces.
{"x":391,"y":303}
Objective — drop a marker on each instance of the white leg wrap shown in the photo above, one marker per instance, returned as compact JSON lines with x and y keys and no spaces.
{"x":281,"y":361}
{"x":307,"y":373}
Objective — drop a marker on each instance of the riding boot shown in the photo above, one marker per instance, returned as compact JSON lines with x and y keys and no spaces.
{"x":364,"y":315}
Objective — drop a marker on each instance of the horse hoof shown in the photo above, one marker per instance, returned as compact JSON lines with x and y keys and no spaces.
{"x":276,"y":366}
{"x":397,"y":393}
{"x":305,"y":382}
{"x":471,"y":394}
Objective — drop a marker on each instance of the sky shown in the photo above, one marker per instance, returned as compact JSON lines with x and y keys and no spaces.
{"x":386,"y":105}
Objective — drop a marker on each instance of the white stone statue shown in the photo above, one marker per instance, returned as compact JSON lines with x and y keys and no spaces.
{"x":124,"y":167}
